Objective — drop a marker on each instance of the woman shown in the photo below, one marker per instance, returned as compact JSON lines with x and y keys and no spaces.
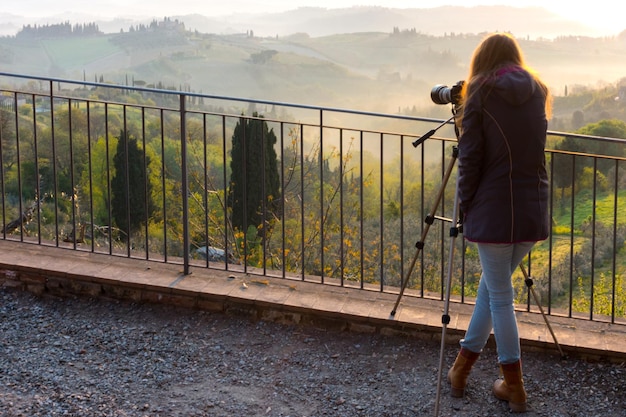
{"x":503,"y":195}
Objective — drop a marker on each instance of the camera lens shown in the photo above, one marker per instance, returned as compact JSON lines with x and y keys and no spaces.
{"x":441,"y":94}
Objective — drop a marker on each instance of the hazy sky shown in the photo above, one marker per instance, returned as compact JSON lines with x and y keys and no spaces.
{"x":600,"y":14}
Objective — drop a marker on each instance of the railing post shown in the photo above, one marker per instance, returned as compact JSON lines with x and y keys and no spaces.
{"x":184,"y":182}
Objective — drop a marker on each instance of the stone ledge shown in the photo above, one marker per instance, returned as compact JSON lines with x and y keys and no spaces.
{"x":62,"y":272}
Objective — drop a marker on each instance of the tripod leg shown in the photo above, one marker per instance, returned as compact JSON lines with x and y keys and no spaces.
{"x":445,"y":318}
{"x":529,"y":283}
{"x":429,"y":221}
{"x":419,"y":245}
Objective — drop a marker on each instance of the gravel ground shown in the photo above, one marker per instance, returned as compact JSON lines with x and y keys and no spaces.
{"x":84,"y":357}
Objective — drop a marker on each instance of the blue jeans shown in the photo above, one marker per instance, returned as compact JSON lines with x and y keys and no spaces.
{"x":494,"y":303}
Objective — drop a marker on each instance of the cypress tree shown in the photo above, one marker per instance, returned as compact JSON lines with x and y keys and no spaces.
{"x":254,"y":192}
{"x":131,"y":203}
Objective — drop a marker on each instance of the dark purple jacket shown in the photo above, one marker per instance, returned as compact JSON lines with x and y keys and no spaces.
{"x":503,"y":184}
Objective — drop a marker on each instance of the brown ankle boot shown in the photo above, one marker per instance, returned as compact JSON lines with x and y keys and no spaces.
{"x":457,"y":375}
{"x":511,"y":389}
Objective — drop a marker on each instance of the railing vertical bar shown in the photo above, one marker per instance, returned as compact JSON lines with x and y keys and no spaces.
{"x":382,"y":215}
{"x":90,"y":179}
{"x":322,"y":219}
{"x":37,"y":175}
{"x":282,"y":201}
{"x":594,"y":204}
{"x":164,"y":184}
{"x":571,"y":252}
{"x":2,"y":188}
{"x":551,"y":235}
{"x":73,"y":190}
{"x":184,"y":182}
{"x":147,"y":197}
{"x":225,"y":190}
{"x":55,"y":180}
{"x":205,"y":194}
{"x":108,"y":171}
{"x":244,"y":167}
{"x":302,"y":201}
{"x":422,"y":215}
{"x":126,"y":137}
{"x":401,"y":245}
{"x":361,"y":209}
{"x":20,"y":204}
{"x":614,"y":263}
{"x":341,"y":221}
{"x":264,"y":191}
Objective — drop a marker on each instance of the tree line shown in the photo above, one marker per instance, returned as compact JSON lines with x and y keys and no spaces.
{"x":57,"y":30}
{"x":77,"y":30}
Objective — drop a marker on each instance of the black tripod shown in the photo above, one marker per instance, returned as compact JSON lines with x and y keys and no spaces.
{"x":455,"y":229}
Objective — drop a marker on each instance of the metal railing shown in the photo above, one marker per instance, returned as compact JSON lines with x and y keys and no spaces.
{"x":326,"y":195}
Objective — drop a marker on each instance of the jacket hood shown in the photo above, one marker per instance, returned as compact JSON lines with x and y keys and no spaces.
{"x":513,"y":83}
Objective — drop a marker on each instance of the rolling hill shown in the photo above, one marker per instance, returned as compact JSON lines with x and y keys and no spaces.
{"x":368,"y":58}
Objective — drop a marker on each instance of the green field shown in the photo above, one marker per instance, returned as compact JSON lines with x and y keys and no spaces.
{"x":583,"y":209}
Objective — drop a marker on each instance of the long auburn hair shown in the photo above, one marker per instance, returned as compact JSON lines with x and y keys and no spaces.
{"x":496,"y":51}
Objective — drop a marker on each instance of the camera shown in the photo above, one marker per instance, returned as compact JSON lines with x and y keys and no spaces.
{"x":442,"y":94}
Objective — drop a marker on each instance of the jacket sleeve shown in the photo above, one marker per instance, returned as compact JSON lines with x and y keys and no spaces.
{"x":471,"y":152}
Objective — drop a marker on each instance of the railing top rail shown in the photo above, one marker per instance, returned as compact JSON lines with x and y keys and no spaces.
{"x":279,"y":103}
{"x":590,"y":137}
{"x":587,"y":154}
